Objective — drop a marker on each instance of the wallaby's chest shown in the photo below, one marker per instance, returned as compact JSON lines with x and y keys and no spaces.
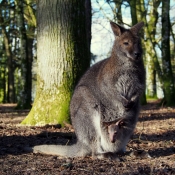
{"x":128,"y":84}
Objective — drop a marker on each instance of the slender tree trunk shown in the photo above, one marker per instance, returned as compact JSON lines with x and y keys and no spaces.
{"x":11,"y":91}
{"x":152,"y":60}
{"x":133,"y":11}
{"x":62,"y":55}
{"x":4,"y":87}
{"x":88,"y":9}
{"x":2,"y":83}
{"x":136,"y":14}
{"x":168,"y":81}
{"x":150,"y":55}
{"x":117,"y":11}
{"x":24,"y":100}
{"x":4,"y":100}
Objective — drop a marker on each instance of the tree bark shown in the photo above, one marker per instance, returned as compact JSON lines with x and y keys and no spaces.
{"x":3,"y":98}
{"x":24,"y":100}
{"x":136,"y":14}
{"x":151,"y":55}
{"x":11,"y":89}
{"x":88,"y":9}
{"x":133,"y":11}
{"x":168,"y":81}
{"x":117,"y":11}
{"x":62,"y":55}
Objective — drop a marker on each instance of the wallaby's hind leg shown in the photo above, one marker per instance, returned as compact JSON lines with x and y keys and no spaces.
{"x":84,"y":108}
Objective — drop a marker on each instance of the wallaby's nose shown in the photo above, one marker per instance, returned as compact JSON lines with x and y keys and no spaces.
{"x":137,"y":55}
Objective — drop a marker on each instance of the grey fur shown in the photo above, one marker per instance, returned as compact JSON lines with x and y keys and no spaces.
{"x":115,"y":128}
{"x":108,"y":91}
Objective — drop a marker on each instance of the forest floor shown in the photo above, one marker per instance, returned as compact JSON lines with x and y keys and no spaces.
{"x":151,"y":149}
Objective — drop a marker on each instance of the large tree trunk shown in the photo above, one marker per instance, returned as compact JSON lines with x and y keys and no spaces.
{"x":62,"y":55}
{"x":168,"y":81}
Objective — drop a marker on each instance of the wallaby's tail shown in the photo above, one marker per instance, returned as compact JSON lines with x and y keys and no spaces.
{"x":76,"y":150}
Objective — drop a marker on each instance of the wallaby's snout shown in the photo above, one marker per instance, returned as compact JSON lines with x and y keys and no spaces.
{"x":134,"y":50}
{"x":131,"y":51}
{"x":137,"y":51}
{"x":137,"y":55}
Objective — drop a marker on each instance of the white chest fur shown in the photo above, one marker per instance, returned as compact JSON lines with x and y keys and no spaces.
{"x":103,"y":142}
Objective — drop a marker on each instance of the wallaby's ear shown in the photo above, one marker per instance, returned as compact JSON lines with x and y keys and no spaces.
{"x":117,"y":29}
{"x":136,"y":28}
{"x":106,"y":124}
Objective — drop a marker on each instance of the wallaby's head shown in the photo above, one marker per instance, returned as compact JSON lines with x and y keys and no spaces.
{"x":127,"y":42}
{"x":115,"y":129}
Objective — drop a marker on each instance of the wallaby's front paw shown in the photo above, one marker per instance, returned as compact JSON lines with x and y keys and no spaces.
{"x":128,"y":104}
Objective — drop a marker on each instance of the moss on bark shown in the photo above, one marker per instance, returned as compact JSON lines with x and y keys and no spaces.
{"x":49,"y":108}
{"x":62,"y":56}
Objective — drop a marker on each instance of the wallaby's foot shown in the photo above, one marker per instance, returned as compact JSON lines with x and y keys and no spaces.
{"x":110,"y":156}
{"x":28,"y":149}
{"x":31,"y":149}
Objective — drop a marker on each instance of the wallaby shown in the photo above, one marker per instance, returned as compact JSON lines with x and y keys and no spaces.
{"x":115,"y":128}
{"x":108,"y":91}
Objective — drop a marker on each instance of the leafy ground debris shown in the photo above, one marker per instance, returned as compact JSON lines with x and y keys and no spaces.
{"x":151,"y":149}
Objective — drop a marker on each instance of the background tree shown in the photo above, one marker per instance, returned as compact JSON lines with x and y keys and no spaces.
{"x":17,"y":27}
{"x":62,"y":55}
{"x":168,"y":79}
{"x":26,"y":42}
{"x":5,"y":15}
{"x":151,"y":13}
{"x":137,"y":15}
{"x":152,"y":59}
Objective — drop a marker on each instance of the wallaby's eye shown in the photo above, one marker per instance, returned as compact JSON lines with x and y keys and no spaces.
{"x":126,"y":43}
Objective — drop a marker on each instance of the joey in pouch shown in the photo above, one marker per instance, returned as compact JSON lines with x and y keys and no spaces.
{"x":114,"y":129}
{"x":107,"y":92}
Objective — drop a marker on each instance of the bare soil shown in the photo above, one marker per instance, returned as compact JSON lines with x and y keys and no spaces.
{"x":151,"y":149}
